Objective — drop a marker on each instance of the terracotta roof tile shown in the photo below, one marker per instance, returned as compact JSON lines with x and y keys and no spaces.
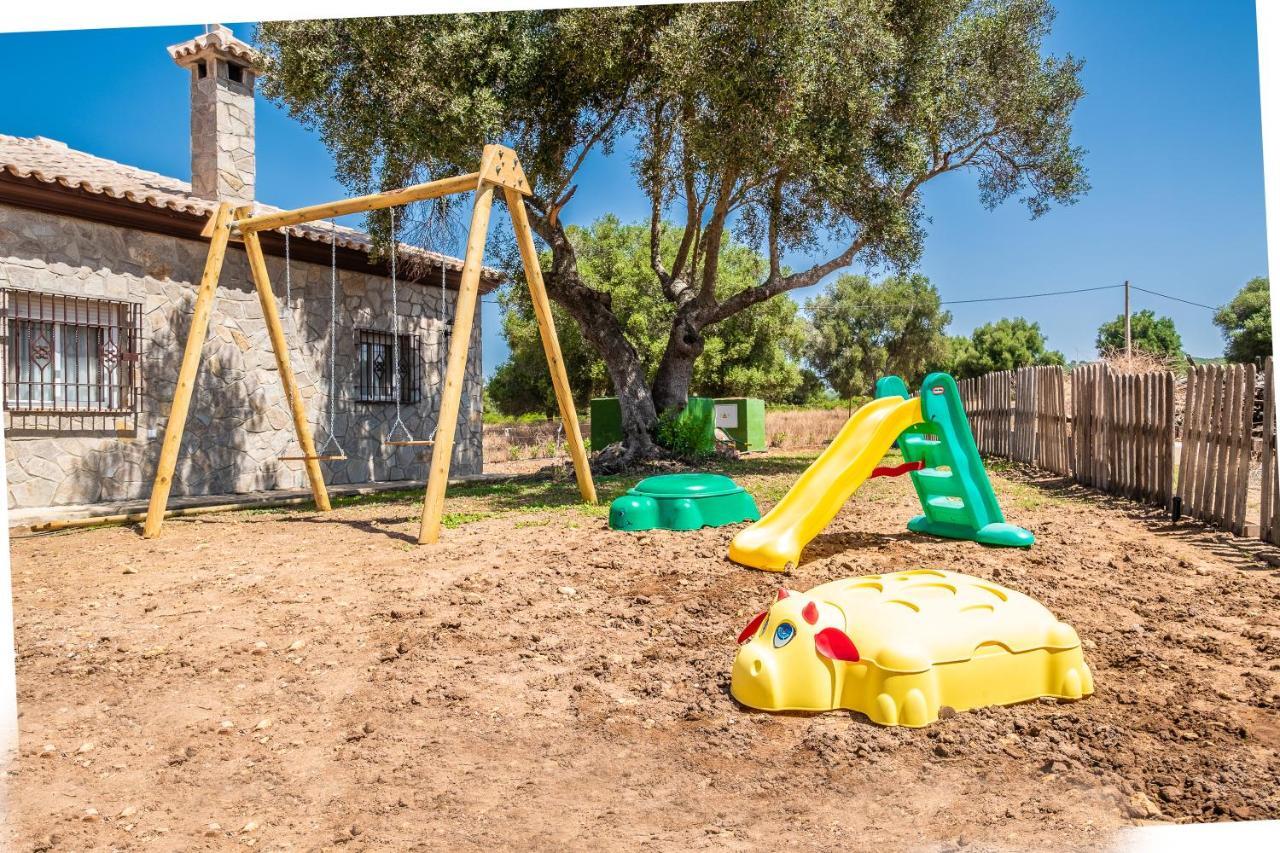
{"x":52,"y":162}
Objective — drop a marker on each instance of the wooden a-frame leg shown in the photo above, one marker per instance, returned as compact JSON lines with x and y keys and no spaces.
{"x":280,"y":346}
{"x":456,"y":368}
{"x":550,"y":343}
{"x":178,"y":410}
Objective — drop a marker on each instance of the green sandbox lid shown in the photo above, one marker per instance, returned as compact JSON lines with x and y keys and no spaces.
{"x":682,"y":502}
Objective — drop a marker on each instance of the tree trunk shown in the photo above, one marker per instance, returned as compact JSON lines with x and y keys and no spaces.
{"x":675,"y":371}
{"x":593,"y":312}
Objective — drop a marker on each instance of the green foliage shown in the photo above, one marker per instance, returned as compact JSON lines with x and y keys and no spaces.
{"x":957,"y":352}
{"x":1006,"y":344}
{"x":1245,"y":322}
{"x":682,"y":433}
{"x":1150,"y":334}
{"x":752,"y":354}
{"x":812,"y":390}
{"x":864,"y":330}
{"x":807,"y":129}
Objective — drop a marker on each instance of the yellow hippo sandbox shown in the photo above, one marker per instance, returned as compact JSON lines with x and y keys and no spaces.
{"x":899,"y":647}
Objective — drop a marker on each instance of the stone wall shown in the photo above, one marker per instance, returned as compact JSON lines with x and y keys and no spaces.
{"x":239,"y":424}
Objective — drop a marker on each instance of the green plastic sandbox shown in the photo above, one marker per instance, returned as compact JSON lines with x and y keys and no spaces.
{"x":682,"y":502}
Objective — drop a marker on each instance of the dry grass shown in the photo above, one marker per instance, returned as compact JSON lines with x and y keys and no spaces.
{"x":1140,"y":362}
{"x":790,"y":429}
{"x":515,"y":442}
{"x":795,"y":429}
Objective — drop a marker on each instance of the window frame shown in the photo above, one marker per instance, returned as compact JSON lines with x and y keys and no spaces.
{"x":109,"y":381}
{"x":372,"y":389}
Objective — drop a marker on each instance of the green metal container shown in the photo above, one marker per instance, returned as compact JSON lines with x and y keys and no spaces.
{"x":682,"y":502}
{"x":742,"y":420}
{"x":606,"y":422}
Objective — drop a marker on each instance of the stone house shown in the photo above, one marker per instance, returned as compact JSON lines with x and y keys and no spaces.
{"x":99,"y":263}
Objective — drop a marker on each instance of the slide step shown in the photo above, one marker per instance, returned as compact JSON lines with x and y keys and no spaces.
{"x":947,"y":508}
{"x":939,"y":483}
{"x":917,"y":441}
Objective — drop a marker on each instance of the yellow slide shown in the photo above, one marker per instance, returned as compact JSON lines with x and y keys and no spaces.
{"x":774,"y":542}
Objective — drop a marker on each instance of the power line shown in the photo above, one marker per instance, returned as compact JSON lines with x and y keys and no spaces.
{"x":1176,"y":299}
{"x":1030,"y":295}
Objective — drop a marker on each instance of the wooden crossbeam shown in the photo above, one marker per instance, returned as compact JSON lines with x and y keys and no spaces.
{"x":361,"y":204}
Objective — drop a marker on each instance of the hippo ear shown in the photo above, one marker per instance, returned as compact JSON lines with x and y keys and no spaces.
{"x":810,"y":613}
{"x":752,"y":627}
{"x":835,"y":644}
{"x":782,"y":593}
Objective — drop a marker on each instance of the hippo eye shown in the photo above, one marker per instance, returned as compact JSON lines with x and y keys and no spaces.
{"x":783,"y":634}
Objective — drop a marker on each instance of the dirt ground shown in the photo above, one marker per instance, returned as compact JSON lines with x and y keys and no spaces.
{"x":287,"y":681}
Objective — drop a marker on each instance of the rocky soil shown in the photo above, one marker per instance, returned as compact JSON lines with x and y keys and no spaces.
{"x":287,"y":681}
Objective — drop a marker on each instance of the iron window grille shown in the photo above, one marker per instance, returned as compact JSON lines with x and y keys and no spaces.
{"x":70,"y":354}
{"x":374,"y":379}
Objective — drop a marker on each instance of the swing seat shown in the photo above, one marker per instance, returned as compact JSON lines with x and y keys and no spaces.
{"x":329,"y":457}
{"x":418,"y":442}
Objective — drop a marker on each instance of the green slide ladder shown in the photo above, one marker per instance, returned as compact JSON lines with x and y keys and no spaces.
{"x":954,"y":490}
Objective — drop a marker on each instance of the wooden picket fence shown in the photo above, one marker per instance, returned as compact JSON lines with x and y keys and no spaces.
{"x":1217,"y":446}
{"x":1040,"y":415}
{"x":1123,"y":432}
{"x":988,"y":402}
{"x":1117,"y":432}
{"x":1020,"y":415}
{"x":1269,"y":511}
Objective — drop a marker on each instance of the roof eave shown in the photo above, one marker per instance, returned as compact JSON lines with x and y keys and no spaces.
{"x":84,"y":200}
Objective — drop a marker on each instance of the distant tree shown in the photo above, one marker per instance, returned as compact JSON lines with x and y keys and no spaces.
{"x":863,"y":330}
{"x":1006,"y":344}
{"x":956,"y":352}
{"x":1150,"y":334}
{"x":1245,"y":322}
{"x":754,"y":353}
{"x":810,"y":390}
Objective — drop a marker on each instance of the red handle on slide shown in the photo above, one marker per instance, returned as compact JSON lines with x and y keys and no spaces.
{"x":896,"y":470}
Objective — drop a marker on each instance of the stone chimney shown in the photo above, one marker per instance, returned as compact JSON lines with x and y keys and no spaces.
{"x":223,"y":71}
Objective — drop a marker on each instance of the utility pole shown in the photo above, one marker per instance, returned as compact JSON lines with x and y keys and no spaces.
{"x":1128,"y":331}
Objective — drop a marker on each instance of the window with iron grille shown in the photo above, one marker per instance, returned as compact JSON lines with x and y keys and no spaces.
{"x":374,"y":356}
{"x":70,"y":354}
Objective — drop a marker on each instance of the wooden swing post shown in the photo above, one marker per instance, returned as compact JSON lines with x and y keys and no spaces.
{"x":181,"y":404}
{"x":550,"y":342}
{"x":464,"y":313}
{"x":499,"y":169}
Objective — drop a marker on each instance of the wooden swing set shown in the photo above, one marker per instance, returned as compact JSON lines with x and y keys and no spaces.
{"x":499,"y":169}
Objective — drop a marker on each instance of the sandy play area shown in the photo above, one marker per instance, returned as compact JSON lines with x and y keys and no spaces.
{"x":286,"y":681}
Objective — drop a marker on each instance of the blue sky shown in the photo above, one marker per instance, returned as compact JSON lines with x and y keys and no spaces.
{"x":1170,"y":121}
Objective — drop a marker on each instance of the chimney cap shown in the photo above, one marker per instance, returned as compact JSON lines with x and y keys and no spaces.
{"x":216,"y":41}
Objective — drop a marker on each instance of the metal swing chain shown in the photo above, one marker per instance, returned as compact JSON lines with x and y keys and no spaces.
{"x":395,"y":338}
{"x":441,"y":348}
{"x":333,"y":342}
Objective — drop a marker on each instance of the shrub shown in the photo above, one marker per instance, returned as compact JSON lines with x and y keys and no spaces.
{"x":682,"y":432}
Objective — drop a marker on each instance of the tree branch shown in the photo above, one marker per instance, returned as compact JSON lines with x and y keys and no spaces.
{"x":776,"y":284}
{"x":714,"y":236}
{"x":591,"y":141}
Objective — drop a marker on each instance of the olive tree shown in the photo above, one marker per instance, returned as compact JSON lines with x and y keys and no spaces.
{"x":807,"y":129}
